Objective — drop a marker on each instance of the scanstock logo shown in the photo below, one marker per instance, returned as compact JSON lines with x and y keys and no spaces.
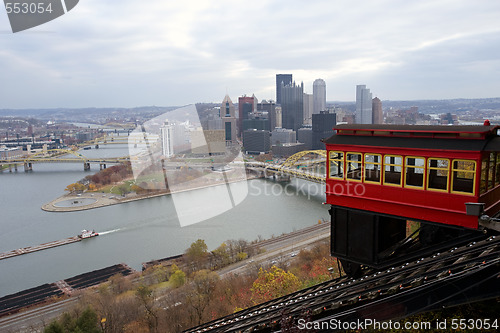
{"x":26,"y":14}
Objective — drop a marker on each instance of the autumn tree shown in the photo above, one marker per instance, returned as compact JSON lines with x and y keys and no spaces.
{"x":200,"y":294}
{"x":177,"y":277}
{"x":273,"y":283}
{"x":197,"y":254}
{"x":87,"y":321}
{"x":75,"y":187}
{"x":147,"y":299}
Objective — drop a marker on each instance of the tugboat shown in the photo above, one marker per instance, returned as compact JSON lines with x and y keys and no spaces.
{"x":88,"y":234}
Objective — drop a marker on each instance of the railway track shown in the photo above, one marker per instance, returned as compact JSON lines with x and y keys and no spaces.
{"x":461,"y":274}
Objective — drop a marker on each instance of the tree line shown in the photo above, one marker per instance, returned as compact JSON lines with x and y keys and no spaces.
{"x":171,"y":297}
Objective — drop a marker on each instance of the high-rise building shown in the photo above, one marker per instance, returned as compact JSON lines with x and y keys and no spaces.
{"x":283,"y":136}
{"x":279,"y":116}
{"x":292,"y":105}
{"x":363,"y":105}
{"x":270,"y":108}
{"x":167,"y":140}
{"x":256,"y":141}
{"x":319,"y":96}
{"x":246,"y":105}
{"x":322,"y":128}
{"x":282,"y":79}
{"x":308,"y":109}
{"x":257,"y":120}
{"x":227,"y":108}
{"x":228,"y":116}
{"x":378,"y":116}
{"x":304,"y":135}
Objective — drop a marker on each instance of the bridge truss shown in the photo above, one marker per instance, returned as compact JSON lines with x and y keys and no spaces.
{"x":308,"y":164}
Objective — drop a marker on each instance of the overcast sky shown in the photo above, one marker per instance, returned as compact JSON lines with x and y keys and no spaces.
{"x":133,"y":53}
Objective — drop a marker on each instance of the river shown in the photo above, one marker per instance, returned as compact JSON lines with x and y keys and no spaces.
{"x":133,"y":232}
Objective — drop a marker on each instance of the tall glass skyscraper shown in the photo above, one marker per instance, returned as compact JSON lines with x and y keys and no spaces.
{"x":292,"y":105}
{"x":364,"y":113}
{"x":319,"y":96}
{"x":284,"y":79}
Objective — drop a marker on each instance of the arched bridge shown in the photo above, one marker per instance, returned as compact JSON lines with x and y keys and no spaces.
{"x":61,"y":156}
{"x":307,"y":164}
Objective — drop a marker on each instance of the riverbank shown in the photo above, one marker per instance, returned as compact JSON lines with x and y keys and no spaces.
{"x":90,"y":200}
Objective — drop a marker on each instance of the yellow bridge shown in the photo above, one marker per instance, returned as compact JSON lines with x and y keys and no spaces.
{"x":307,"y":164}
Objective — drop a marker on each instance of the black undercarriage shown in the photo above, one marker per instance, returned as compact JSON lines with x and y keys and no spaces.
{"x":363,"y":239}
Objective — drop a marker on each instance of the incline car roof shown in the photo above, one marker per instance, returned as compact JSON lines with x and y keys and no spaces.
{"x":418,"y":128}
{"x":487,"y":140}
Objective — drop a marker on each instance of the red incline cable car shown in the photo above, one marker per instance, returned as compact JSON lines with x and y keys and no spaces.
{"x":379,"y":176}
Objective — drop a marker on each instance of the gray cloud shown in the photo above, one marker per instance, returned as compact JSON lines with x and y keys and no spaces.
{"x":131,"y":53}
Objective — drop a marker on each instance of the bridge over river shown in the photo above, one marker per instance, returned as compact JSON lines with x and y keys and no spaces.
{"x":308,"y":164}
{"x":60,"y":156}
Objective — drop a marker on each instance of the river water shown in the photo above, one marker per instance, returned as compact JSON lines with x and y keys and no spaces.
{"x":134,"y":232}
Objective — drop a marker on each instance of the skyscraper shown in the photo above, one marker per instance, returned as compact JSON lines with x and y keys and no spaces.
{"x":308,"y":109}
{"x":378,"y":116}
{"x":246,"y":105}
{"x":322,"y":128}
{"x":167,"y":142}
{"x":270,"y":108}
{"x":227,"y":113}
{"x":319,"y":96}
{"x":292,"y":105}
{"x":363,"y":105}
{"x":282,"y":79}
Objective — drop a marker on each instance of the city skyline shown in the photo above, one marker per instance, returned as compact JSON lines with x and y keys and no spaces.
{"x":108,"y":55}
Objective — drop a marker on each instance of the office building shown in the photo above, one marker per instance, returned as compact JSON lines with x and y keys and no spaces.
{"x":270,"y":108}
{"x":278,"y":111}
{"x":256,"y":141}
{"x":308,"y":109}
{"x":292,"y":105}
{"x":378,"y":116}
{"x":282,"y":80}
{"x":287,"y":149}
{"x":228,"y":116}
{"x":257,"y":120}
{"x":304,"y":135}
{"x":319,"y":96}
{"x":322,"y":128}
{"x":167,"y":140}
{"x":283,"y":136}
{"x":246,"y":105}
{"x":364,"y":114}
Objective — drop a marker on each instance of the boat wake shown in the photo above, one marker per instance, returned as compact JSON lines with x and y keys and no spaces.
{"x":108,"y":232}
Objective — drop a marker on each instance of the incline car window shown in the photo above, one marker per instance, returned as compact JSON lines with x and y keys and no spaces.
{"x":353,"y":166}
{"x":437,"y":174}
{"x":414,"y":175}
{"x":463,"y":174}
{"x":392,"y":169}
{"x":336,"y":164}
{"x":373,"y":164}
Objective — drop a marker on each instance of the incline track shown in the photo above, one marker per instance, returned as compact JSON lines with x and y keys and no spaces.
{"x":464,"y":274}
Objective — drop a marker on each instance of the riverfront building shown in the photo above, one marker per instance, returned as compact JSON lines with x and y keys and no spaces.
{"x":256,"y":141}
{"x":167,"y":140}
{"x":228,"y":116}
